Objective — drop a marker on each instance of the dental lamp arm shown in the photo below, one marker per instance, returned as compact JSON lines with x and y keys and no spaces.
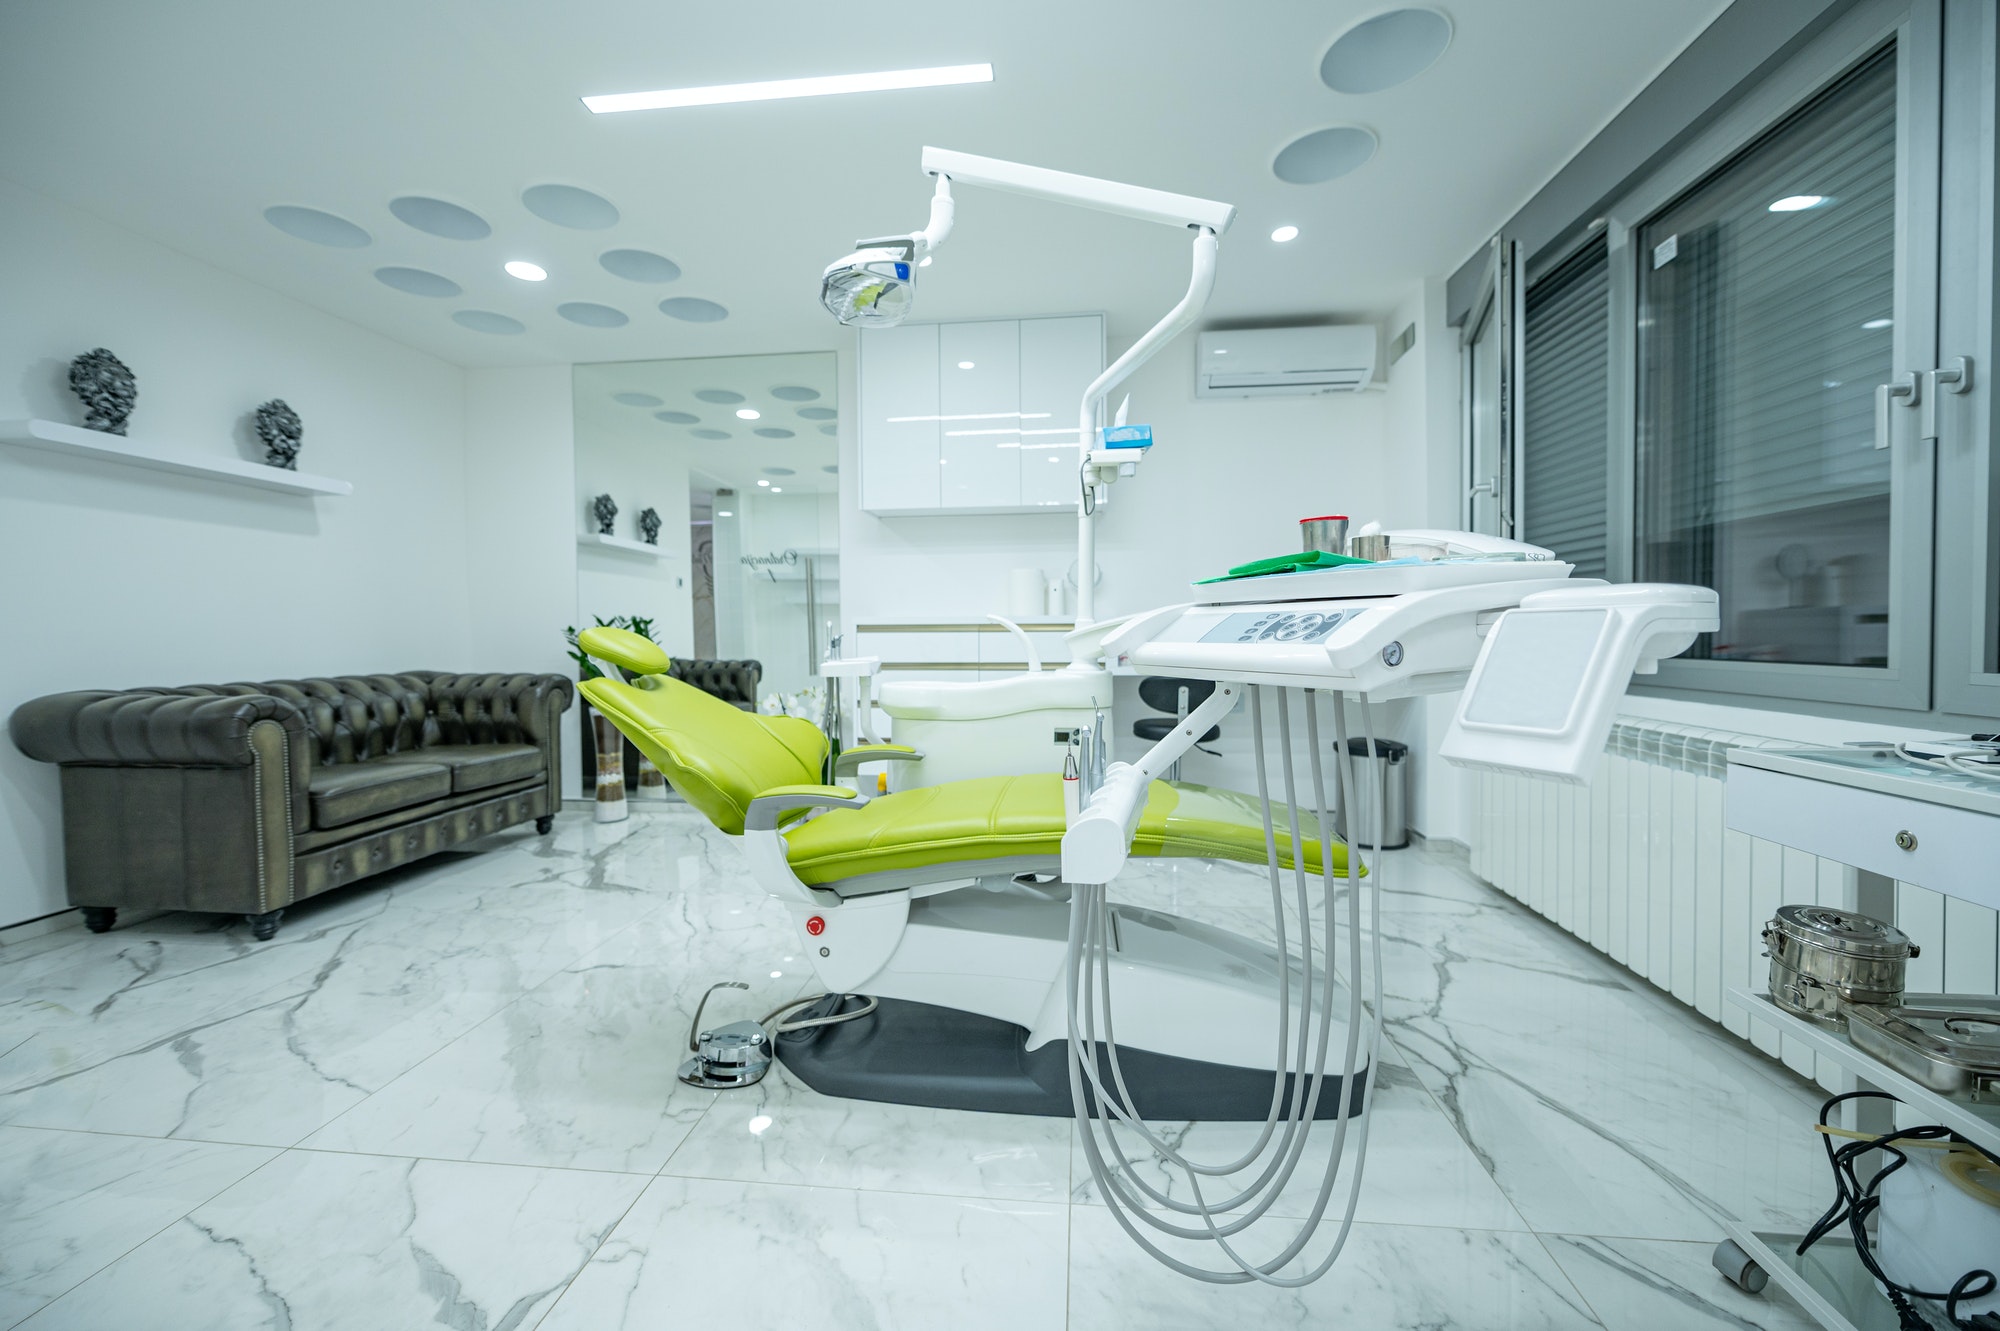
{"x":769,"y":810}
{"x":1177,"y":320}
{"x":1098,"y":840}
{"x":943,"y":213}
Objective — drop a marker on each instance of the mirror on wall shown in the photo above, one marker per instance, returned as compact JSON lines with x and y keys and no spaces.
{"x":737,"y":458}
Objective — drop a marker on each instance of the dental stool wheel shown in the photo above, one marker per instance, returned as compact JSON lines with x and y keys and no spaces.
{"x":1738,"y":1268}
{"x":264,"y":927}
{"x":545,"y":824}
{"x":99,"y":919}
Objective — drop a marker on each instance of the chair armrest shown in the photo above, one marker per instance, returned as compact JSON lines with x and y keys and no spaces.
{"x":768,"y":810}
{"x":109,"y":729}
{"x":850,"y":760}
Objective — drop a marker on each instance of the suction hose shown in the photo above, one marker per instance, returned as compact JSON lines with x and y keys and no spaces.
{"x":1127,"y":1194}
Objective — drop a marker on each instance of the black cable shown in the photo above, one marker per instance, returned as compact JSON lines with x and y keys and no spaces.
{"x":1855,"y":1201}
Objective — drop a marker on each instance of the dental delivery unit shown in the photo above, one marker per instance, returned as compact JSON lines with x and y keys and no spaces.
{"x":963,"y":929}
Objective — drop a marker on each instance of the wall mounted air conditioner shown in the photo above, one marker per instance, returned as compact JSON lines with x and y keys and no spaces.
{"x":1284,"y":362}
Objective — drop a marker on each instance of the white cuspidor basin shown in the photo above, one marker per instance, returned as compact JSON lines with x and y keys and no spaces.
{"x":1047,"y":690}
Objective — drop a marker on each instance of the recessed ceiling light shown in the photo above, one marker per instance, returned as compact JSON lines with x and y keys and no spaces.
{"x":747,"y":413}
{"x":763,"y":482}
{"x":1285,"y":233}
{"x":965,"y":365}
{"x":724,"y":513}
{"x":1796,"y":203}
{"x":779,"y":89}
{"x":1222,"y":351}
{"x":1878,"y":323}
{"x":527,"y":272}
{"x":777,"y":489}
{"x":925,"y":262}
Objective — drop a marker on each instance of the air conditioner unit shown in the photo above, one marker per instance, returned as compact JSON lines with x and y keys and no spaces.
{"x":1284,"y":362}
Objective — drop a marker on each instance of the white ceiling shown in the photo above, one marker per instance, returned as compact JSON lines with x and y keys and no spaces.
{"x":185,"y":121}
{"x":772,"y":386}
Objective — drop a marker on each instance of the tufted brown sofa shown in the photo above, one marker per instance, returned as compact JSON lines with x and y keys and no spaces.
{"x":249,"y":797}
{"x":732,"y":681}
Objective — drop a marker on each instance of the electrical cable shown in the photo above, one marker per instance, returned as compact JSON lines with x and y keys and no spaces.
{"x":1088,"y":982}
{"x":833,"y":1018}
{"x":1854,"y":1201}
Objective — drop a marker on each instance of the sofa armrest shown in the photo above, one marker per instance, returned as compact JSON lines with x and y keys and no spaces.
{"x":500,"y":709}
{"x":111,"y":729}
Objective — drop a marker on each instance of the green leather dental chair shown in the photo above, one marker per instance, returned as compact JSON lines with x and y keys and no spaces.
{"x":941,"y":903}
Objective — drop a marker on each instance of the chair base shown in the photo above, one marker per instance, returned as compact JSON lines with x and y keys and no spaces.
{"x":910,"y":1053}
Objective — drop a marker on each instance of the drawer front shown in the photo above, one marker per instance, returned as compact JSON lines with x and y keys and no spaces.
{"x":1954,"y":851}
{"x":904,"y":647}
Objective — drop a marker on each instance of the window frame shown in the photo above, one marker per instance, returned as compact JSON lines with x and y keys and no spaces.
{"x":1968,"y":586}
{"x":1914,"y":26}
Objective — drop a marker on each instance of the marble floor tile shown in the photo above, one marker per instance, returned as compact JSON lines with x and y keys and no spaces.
{"x":1419,"y":1171}
{"x":1599,"y":1108}
{"x":383,"y":991}
{"x":1645,"y":1284}
{"x":73,"y":1202}
{"x":1388,"y":1278}
{"x":781,"y":1131}
{"x":769,"y":1258}
{"x":580,"y":1073}
{"x":326,"y":1242}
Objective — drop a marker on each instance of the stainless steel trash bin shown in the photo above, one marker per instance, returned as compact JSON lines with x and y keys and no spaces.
{"x":1392,"y":762}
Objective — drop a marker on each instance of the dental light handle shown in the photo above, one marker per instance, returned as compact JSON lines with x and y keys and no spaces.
{"x":1200,"y":285}
{"x":1099,"y":838}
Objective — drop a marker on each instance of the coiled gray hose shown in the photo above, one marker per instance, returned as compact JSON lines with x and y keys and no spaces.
{"x":1088,"y":981}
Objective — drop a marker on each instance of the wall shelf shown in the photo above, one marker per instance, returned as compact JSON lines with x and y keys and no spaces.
{"x":55,"y":437}
{"x":592,"y":540}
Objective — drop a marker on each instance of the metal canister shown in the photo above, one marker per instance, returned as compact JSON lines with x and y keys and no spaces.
{"x":1824,"y":961}
{"x":1327,"y":534}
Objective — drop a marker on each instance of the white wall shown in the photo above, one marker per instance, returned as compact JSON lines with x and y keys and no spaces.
{"x":520,"y":477}
{"x":117,"y":576}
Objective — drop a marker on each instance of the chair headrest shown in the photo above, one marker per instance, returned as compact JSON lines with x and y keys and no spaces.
{"x":622,"y":647}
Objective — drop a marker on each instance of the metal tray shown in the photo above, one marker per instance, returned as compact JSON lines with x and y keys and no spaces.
{"x":1947,"y":1042}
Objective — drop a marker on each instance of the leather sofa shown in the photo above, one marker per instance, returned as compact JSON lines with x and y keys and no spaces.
{"x":732,"y":681}
{"x":245,"y":798}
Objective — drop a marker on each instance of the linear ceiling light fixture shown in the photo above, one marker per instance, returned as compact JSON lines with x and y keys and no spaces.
{"x":825,"y":85}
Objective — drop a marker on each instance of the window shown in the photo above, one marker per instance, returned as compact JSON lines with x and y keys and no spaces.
{"x":1565,"y":410}
{"x":1766,"y":302}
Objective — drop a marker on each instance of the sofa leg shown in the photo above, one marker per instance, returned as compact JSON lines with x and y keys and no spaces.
{"x":99,"y":919}
{"x":264,"y":927}
{"x":545,"y":824}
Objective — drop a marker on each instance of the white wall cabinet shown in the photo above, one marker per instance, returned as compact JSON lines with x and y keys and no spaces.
{"x":974,"y":417}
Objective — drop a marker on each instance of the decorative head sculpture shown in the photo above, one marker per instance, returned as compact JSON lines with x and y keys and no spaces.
{"x":605,"y":512}
{"x":649,"y":526}
{"x":107,"y":389}
{"x":281,"y":430}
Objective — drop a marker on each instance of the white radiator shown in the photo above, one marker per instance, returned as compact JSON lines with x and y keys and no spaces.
{"x":1639,"y":865}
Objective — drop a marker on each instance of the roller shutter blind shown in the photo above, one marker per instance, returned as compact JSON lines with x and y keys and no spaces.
{"x":1566,"y":410}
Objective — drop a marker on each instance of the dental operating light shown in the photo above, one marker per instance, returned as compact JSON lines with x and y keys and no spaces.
{"x":875,"y":286}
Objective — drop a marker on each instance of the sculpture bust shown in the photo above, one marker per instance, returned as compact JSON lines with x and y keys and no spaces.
{"x":282,"y":432}
{"x":107,"y":389}
{"x":605,"y":512}
{"x":649,"y":526}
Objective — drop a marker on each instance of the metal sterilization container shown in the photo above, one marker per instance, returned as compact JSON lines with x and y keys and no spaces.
{"x":1824,"y":961}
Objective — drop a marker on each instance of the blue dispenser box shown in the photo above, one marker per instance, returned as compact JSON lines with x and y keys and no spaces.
{"x":1126,"y":436}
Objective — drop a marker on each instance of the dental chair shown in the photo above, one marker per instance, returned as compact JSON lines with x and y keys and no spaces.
{"x":944,"y":905}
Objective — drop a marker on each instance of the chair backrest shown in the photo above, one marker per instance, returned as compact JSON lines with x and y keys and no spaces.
{"x":1162,"y":692}
{"x":716,"y":755}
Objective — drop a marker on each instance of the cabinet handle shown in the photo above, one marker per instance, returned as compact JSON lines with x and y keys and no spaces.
{"x":1954,"y":376}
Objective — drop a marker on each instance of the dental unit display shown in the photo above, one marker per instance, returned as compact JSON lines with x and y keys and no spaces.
{"x":964,"y":931}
